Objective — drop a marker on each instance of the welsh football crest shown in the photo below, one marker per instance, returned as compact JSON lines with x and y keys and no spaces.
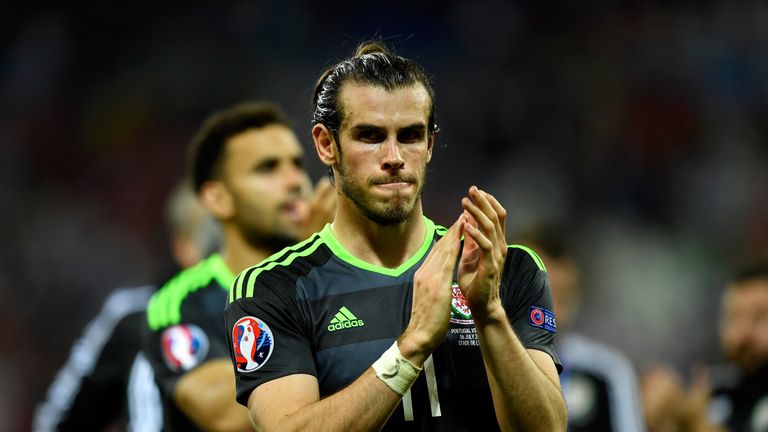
{"x":252,"y":342}
{"x":460,"y":313}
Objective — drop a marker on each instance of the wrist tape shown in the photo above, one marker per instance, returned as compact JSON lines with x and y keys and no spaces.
{"x":396,"y":371}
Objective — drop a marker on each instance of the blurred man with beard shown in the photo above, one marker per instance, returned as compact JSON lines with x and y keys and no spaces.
{"x":733,"y":395}
{"x":247,"y":169}
{"x":740,"y":392}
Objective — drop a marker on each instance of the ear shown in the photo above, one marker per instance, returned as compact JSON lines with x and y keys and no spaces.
{"x":430,"y":146}
{"x":324,"y":139}
{"x":217,"y":199}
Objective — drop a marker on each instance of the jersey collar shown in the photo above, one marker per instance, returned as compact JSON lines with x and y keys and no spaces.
{"x":220,"y":271}
{"x":327,"y":235}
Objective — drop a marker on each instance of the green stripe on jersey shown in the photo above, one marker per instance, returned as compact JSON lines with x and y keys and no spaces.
{"x":246,"y":281}
{"x":247,"y":277}
{"x":338,"y":250}
{"x":534,"y":255}
{"x":164,"y":307}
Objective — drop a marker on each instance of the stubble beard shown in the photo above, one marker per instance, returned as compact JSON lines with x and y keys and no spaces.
{"x":271,"y":237}
{"x":394,"y":212}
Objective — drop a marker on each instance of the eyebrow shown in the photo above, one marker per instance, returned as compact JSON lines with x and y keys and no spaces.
{"x":367,"y":127}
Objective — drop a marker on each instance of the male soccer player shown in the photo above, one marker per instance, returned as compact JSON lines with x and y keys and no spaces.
{"x":740,"y":395}
{"x":383,"y":308}
{"x":247,"y":169}
{"x":730,"y":397}
{"x":106,"y":381}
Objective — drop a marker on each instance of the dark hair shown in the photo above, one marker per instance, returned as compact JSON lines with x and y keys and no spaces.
{"x":373,"y":64}
{"x":750,"y":272}
{"x":207,"y":146}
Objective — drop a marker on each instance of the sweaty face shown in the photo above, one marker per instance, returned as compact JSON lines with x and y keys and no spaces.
{"x":384,"y":150}
{"x":264,"y":174}
{"x":744,"y":329}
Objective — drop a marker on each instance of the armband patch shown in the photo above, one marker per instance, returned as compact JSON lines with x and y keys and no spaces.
{"x":252,"y":343}
{"x":542,"y":318}
{"x":184,"y":346}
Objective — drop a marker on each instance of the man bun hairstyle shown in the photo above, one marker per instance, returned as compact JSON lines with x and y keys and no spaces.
{"x":207,"y":146}
{"x":373,"y":64}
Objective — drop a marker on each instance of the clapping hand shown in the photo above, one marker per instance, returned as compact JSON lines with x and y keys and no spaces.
{"x":483,"y":254}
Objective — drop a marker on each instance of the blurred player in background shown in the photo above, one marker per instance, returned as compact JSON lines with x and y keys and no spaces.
{"x":107,"y":381}
{"x":599,"y":383}
{"x":740,"y":393}
{"x":247,"y":168}
{"x":726,"y":397}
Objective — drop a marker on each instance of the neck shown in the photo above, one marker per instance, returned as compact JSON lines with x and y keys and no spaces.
{"x":237,"y":253}
{"x":384,"y":246}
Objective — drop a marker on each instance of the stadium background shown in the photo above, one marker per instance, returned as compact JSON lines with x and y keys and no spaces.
{"x":642,"y":126}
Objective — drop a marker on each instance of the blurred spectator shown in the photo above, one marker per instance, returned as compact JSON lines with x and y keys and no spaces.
{"x":599,"y":383}
{"x":106,"y":380}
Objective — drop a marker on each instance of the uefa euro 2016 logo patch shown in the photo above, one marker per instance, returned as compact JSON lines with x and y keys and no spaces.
{"x":184,"y":346}
{"x":252,"y":342}
{"x":542,"y":318}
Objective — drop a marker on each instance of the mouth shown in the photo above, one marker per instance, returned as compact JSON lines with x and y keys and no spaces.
{"x":393,"y":182}
{"x":393,"y":185}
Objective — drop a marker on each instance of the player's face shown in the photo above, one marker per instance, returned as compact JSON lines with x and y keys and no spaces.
{"x":264,"y":173}
{"x":385,"y":148}
{"x":744,"y":329}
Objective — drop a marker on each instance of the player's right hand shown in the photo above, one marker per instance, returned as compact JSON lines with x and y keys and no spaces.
{"x":431,"y":311}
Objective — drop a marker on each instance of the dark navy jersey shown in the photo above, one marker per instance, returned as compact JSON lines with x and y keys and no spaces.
{"x":185,"y":329}
{"x":316,"y":309}
{"x":739,"y":401}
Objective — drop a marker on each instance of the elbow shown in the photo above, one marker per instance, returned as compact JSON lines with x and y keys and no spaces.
{"x":560,"y":415}
{"x":556,"y":418}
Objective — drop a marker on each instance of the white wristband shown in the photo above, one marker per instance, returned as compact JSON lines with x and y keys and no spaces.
{"x":396,"y":371}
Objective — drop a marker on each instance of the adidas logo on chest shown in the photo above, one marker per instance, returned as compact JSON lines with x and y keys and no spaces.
{"x":344,"y":319}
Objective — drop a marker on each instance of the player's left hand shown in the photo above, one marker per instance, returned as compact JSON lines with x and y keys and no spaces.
{"x":483,"y":254}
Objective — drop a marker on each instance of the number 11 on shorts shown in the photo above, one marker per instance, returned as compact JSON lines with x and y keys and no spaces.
{"x":434,"y":398}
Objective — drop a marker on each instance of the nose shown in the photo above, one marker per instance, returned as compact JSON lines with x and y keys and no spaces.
{"x":393,"y":159}
{"x":295,"y":178}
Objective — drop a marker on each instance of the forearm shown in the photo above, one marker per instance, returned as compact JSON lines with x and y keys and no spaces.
{"x":364,"y":405}
{"x":206,"y":396}
{"x":218,"y":411}
{"x":524,"y":397}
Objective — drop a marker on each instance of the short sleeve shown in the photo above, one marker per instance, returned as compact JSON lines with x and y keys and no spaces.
{"x":266,"y":337}
{"x":527,"y":300}
{"x":175,"y":350}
